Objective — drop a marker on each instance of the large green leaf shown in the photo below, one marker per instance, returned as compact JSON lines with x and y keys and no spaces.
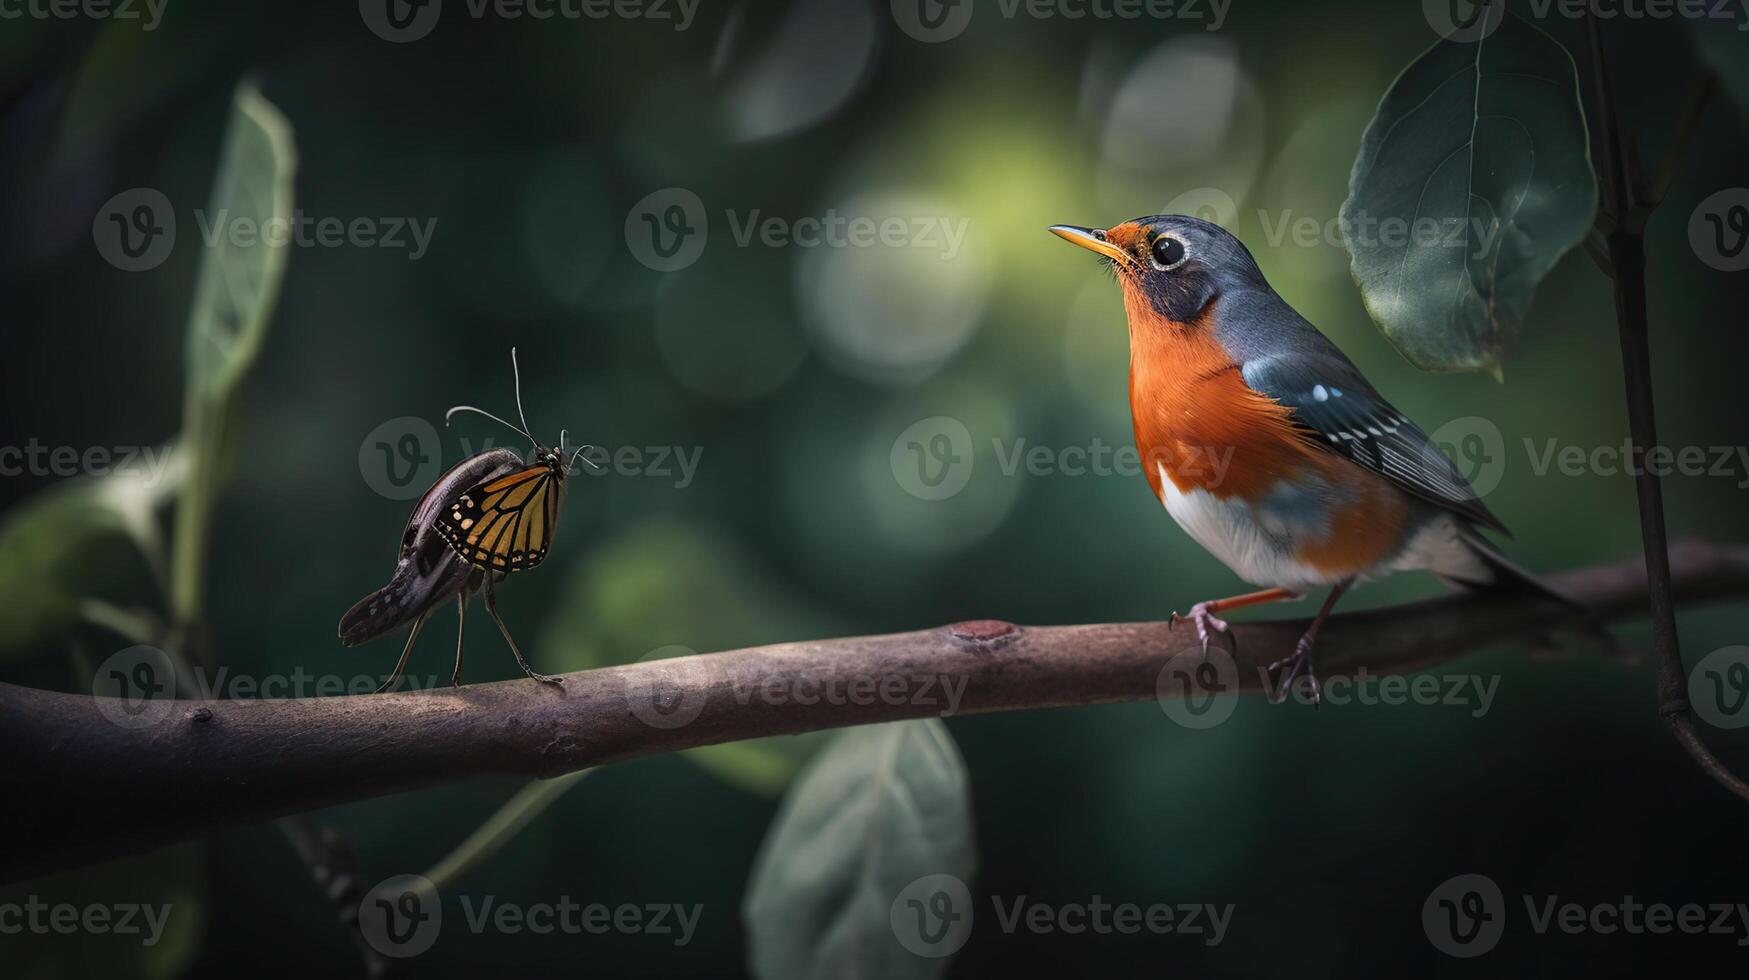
{"x":59,"y":548}
{"x":234,"y":298}
{"x":1473,"y":179}
{"x":876,"y":833}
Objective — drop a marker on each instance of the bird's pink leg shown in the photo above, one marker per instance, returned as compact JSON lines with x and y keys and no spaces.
{"x":1203,"y":613}
{"x":1302,"y":655}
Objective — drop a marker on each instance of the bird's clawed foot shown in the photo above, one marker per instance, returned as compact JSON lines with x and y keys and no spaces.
{"x":1206,"y":622}
{"x":1291,"y":667}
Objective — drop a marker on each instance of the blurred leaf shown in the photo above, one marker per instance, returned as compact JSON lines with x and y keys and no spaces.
{"x":234,"y":299}
{"x":881,"y":808}
{"x":1724,"y":47}
{"x":57,"y":548}
{"x":131,"y":65}
{"x":662,"y":585}
{"x":146,"y":919}
{"x":1473,"y":179}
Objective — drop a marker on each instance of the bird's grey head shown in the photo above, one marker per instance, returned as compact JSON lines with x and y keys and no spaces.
{"x":1175,"y":263}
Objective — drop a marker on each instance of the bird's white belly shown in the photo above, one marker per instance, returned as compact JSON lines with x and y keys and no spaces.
{"x":1259,"y":548}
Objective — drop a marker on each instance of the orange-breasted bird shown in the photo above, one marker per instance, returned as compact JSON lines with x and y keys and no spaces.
{"x":1267,"y":445}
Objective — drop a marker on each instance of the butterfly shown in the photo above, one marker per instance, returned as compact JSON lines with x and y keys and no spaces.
{"x":491,"y":514}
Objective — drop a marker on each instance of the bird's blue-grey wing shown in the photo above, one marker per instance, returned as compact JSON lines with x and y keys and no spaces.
{"x":1336,"y":407}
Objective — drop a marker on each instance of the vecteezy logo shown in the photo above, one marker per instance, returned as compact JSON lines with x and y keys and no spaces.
{"x":1208,"y":203}
{"x":1464,"y":21}
{"x":1464,"y":916}
{"x":400,"y":21}
{"x":932,"y":458}
{"x":136,"y":687}
{"x":1475,"y":446}
{"x":401,"y":916}
{"x":1719,"y":686}
{"x":401,"y":457}
{"x":1718,"y":230}
{"x":932,"y":21}
{"x":667,"y":230}
{"x":932,"y":916}
{"x":135,"y":230}
{"x":1198,"y":691}
{"x":675,"y":700}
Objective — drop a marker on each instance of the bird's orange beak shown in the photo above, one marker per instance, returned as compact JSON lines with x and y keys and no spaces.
{"x":1092,"y":239}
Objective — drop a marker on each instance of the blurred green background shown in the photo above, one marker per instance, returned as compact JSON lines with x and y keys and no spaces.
{"x":794,"y":370}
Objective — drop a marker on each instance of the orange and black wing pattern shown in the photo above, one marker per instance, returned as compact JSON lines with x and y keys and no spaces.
{"x":506,"y":523}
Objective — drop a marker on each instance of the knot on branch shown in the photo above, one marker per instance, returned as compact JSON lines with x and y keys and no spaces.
{"x":987,"y":634}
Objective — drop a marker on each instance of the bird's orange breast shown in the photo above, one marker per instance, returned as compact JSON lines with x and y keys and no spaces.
{"x":1199,"y":425}
{"x":1194,"y":416}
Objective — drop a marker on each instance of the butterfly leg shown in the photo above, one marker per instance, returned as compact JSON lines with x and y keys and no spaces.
{"x":492,"y":610}
{"x":406,"y":651}
{"x":461,"y":629}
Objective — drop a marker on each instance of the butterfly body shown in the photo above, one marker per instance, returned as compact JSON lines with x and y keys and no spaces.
{"x":428,"y":570}
{"x":489,"y":515}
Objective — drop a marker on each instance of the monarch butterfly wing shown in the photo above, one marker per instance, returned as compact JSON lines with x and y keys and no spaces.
{"x":506,"y":523}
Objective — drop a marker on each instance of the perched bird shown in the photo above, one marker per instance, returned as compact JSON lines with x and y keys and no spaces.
{"x":1266,"y":444}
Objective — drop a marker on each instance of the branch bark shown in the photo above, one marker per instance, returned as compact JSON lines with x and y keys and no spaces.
{"x":84,"y":788}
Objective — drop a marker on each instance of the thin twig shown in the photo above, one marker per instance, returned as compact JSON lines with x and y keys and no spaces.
{"x":1627,"y":255}
{"x":517,"y":812}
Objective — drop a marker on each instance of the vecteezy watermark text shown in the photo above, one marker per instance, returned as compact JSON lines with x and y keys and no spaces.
{"x":41,"y":918}
{"x":36,"y":459}
{"x":136,"y":230}
{"x":1466,"y":916}
{"x":403,"y":916}
{"x":933,"y":459}
{"x":934,"y":21}
{"x":933,"y":916}
{"x":668,"y":229}
{"x":403,"y":21}
{"x":1475,"y":235}
{"x":673,"y":688}
{"x":402,"y":457}
{"x":151,"y":12}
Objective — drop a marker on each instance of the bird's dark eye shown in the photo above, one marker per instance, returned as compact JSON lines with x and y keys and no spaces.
{"x":1168,"y":252}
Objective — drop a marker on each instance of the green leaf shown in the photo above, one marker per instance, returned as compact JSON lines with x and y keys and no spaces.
{"x":61,"y":547}
{"x":234,"y":298}
{"x":665,"y":588}
{"x":1473,"y":179}
{"x":143,"y":917}
{"x":1723,"y":44}
{"x":880,"y":820}
{"x":131,"y":66}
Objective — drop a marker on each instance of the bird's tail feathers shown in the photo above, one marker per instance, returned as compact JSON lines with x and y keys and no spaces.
{"x":1504,"y":576}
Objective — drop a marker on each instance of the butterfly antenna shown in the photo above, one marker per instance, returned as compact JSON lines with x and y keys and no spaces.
{"x":579,"y":452}
{"x":480,"y":411}
{"x":517,"y":371}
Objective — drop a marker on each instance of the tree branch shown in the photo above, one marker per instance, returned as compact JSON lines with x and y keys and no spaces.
{"x":88,"y":789}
